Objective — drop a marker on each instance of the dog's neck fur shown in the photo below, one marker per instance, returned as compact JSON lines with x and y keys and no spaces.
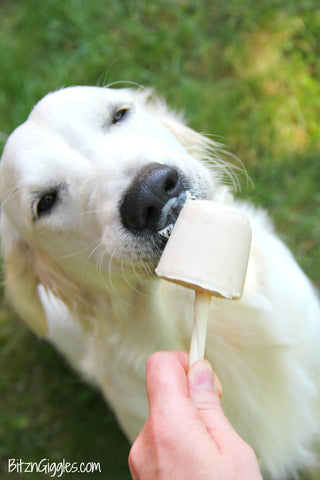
{"x":104,"y":308}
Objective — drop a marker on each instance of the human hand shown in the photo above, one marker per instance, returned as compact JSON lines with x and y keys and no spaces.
{"x":186,"y":435}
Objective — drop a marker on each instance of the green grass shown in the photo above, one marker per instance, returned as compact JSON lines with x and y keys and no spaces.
{"x":245,"y":71}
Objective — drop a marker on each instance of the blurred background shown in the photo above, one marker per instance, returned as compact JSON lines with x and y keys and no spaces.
{"x":246,"y":71}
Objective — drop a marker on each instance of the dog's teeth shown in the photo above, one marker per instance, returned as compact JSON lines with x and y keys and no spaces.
{"x":190,"y":196}
{"x":165,"y":232}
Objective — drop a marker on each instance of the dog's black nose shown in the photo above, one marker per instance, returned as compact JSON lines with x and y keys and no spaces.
{"x":146,"y":204}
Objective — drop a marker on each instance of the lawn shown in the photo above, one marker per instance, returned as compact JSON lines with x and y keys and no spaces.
{"x":246,"y":71}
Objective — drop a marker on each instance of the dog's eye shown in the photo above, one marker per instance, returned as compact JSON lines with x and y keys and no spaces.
{"x":119,"y":114}
{"x":46,"y":202}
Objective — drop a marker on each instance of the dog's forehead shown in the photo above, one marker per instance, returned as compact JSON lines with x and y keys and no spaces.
{"x":69,"y":133}
{"x":80,"y":101}
{"x":83,"y":95}
{"x":70,"y":111}
{"x":60,"y":120}
{"x":71,"y":115}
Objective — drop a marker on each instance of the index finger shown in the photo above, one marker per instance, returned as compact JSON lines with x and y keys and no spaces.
{"x":166,"y":378}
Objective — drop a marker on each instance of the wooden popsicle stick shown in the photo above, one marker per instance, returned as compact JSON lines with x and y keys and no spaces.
{"x":199,"y":332}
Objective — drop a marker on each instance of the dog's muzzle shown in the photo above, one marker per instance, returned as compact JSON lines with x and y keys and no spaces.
{"x":154,"y":199}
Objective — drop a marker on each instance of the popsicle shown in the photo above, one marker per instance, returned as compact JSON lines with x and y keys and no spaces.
{"x":208,"y":251}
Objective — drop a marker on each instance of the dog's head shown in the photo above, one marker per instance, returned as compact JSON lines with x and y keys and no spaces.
{"x":94,"y":180}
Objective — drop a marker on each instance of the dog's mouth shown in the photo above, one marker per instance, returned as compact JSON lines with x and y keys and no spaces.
{"x":170,"y":213}
{"x":146,"y":246}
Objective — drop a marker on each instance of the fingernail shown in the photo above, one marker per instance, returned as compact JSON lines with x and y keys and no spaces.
{"x":218,"y":384}
{"x":201,"y":376}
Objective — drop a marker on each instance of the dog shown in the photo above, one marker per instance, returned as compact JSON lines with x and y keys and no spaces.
{"x":90,"y":187}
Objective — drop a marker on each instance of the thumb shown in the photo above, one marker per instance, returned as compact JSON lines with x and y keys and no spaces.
{"x":204,"y":391}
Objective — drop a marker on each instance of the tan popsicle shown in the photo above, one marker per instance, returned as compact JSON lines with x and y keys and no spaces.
{"x":208,"y":251}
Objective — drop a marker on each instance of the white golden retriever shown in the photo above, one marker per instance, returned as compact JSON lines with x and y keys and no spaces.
{"x":89,"y":184}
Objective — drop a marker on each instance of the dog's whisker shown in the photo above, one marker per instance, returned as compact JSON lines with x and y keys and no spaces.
{"x":137,"y":275}
{"x":78,"y":252}
{"x":103,"y":78}
{"x":101,"y":270}
{"x":133,"y":268}
{"x":127,"y":281}
{"x":10,"y":195}
{"x":99,"y":266}
{"x":87,"y":212}
{"x":125,"y":82}
{"x":148,"y":271}
{"x":99,"y":244}
{"x":102,"y":274}
{"x":114,"y":291}
{"x":142,"y":274}
{"x":214,"y":154}
{"x":109,"y":270}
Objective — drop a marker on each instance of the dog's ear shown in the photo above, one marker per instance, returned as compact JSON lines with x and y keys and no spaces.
{"x":198,"y":145}
{"x":21,"y":282}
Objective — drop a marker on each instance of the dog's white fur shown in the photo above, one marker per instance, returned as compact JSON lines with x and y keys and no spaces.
{"x":77,"y":277}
